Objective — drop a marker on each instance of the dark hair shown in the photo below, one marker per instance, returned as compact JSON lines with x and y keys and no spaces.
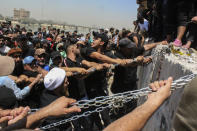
{"x":18,"y":26}
{"x":125,"y":33}
{"x":104,"y":39}
{"x":111,"y":29}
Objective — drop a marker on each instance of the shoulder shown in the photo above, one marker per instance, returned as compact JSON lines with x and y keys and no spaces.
{"x":119,"y":54}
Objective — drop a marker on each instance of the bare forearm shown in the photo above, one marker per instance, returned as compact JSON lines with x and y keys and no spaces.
{"x":73,"y":69}
{"x":103,"y":58}
{"x":89,"y":64}
{"x":35,"y":118}
{"x":14,"y":78}
{"x":135,"y":120}
{"x":150,"y":46}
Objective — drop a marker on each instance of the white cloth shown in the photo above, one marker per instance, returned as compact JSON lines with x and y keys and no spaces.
{"x":54,"y":78}
{"x":4,"y":49}
{"x":144,"y":27}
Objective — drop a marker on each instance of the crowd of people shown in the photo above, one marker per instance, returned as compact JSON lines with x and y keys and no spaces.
{"x":51,"y":69}
{"x":49,"y":64}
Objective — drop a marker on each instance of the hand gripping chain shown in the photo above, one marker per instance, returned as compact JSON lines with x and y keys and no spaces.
{"x":104,"y":102}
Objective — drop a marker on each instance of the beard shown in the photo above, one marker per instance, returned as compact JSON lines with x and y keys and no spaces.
{"x":18,"y":69}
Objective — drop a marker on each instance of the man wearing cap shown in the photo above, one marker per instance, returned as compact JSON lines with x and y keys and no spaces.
{"x":56,"y":83}
{"x":30,"y":68}
{"x":125,"y":77}
{"x":40,"y":58}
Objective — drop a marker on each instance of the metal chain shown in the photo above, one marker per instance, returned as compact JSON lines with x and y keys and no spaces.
{"x":104,"y":102}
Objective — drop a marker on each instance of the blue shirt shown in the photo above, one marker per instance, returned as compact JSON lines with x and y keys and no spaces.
{"x":9,"y":83}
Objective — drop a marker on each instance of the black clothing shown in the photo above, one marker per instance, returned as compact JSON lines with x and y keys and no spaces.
{"x":30,"y":73}
{"x":46,"y":98}
{"x":7,"y":98}
{"x":95,"y":83}
{"x":18,"y":69}
{"x":76,"y":87}
{"x":137,"y":52}
{"x":124,"y":77}
{"x":109,"y":54}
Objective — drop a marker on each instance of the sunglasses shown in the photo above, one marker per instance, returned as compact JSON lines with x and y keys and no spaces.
{"x":42,"y":56}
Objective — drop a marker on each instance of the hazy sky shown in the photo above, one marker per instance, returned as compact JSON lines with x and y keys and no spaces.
{"x":104,"y":13}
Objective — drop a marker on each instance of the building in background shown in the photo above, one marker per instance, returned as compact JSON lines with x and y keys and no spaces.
{"x":21,"y":14}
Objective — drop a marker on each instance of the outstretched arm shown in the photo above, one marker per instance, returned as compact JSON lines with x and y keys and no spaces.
{"x":153,"y":45}
{"x":57,"y":108}
{"x":136,"y":120}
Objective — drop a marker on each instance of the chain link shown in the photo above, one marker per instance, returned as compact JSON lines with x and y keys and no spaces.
{"x":116,"y":100}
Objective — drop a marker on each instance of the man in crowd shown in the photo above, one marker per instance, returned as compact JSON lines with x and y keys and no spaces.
{"x":40,"y":58}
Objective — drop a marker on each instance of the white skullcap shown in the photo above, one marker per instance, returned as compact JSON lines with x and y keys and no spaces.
{"x":54,"y":78}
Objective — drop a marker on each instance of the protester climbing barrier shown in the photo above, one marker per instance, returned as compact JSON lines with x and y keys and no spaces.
{"x":163,"y":66}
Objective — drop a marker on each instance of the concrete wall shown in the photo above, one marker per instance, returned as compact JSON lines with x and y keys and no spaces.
{"x":161,"y":69}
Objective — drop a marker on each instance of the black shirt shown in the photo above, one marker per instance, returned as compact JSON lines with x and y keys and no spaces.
{"x":124,"y":77}
{"x":76,"y":87}
{"x":137,"y":52}
{"x":47,"y":98}
{"x":96,"y":82}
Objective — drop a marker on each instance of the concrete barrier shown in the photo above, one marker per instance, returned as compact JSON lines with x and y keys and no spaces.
{"x":162,"y":67}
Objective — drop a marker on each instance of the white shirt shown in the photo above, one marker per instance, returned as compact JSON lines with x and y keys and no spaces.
{"x":144,"y":27}
{"x":4,"y":49}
